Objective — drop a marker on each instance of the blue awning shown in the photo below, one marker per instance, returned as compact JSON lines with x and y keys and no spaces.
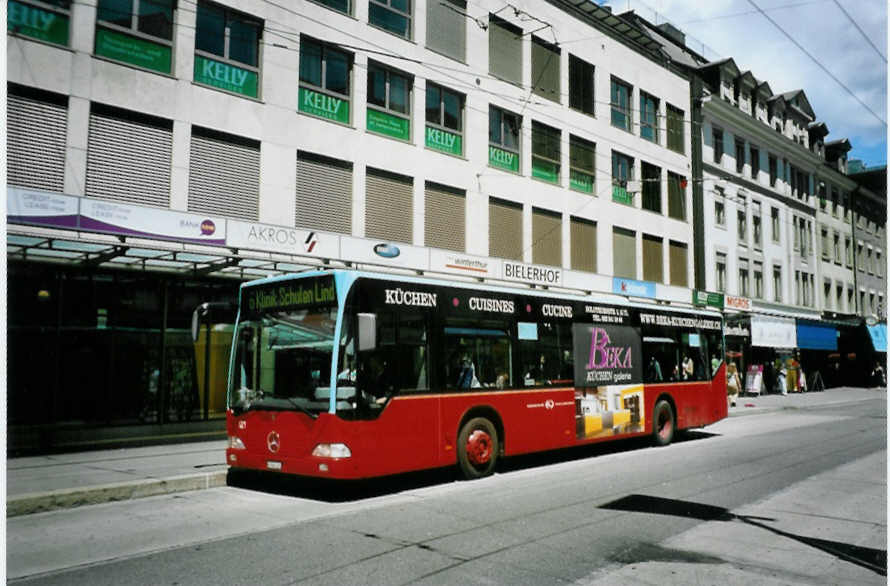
{"x":878,"y":333}
{"x":816,"y":336}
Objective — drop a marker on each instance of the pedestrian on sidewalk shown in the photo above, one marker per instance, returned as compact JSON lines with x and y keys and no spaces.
{"x":780,"y":380}
{"x":733,"y":383}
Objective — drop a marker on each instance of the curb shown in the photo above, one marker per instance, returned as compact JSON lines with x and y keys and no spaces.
{"x":39,"y":502}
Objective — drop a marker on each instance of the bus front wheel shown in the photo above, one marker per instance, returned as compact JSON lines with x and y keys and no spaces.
{"x":477,"y":448}
{"x":664,"y":423}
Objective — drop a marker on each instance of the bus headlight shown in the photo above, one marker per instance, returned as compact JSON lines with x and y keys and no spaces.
{"x":235,"y":443}
{"x":332,"y":451}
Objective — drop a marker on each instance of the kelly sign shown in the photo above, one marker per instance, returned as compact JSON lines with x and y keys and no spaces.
{"x":444,"y":141}
{"x":324,"y":106}
{"x":225,"y":77}
{"x":606,"y":355}
{"x":502,"y":159}
{"x":37,"y":23}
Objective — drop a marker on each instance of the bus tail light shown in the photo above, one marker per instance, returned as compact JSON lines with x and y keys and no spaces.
{"x":235,"y":443}
{"x":332,"y":451}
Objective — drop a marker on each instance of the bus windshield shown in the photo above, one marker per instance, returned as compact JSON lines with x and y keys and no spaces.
{"x":283,"y":361}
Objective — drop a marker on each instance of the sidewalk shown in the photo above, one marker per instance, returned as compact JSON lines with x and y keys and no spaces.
{"x":43,"y":483}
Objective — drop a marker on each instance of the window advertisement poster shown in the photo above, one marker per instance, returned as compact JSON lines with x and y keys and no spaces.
{"x":225,"y":76}
{"x":130,"y":220}
{"x":622,"y":195}
{"x":388,"y":125}
{"x":282,"y":239}
{"x":41,"y":208}
{"x":606,"y":354}
{"x":324,"y":106}
{"x":37,"y":23}
{"x":132,"y":50}
{"x":581,"y":181}
{"x":545,"y":170}
{"x":754,"y":379}
{"x":501,"y":159}
{"x":444,"y":141}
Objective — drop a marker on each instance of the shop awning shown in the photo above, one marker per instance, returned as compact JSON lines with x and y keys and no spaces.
{"x":816,"y":336}
{"x":878,"y":333}
{"x":773,"y":332}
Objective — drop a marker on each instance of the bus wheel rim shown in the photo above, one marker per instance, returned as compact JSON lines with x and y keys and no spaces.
{"x":664,"y":425}
{"x":479,"y":447}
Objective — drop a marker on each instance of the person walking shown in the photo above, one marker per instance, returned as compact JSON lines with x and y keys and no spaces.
{"x":733,"y":383}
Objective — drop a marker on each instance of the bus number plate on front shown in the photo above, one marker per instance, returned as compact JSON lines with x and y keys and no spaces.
{"x":273,"y":465}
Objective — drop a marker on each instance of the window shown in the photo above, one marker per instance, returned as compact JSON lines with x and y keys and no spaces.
{"x":583,"y":245}
{"x":848,"y":252}
{"x":581,"y":80}
{"x":622,"y":172}
{"x":837,"y":248}
{"x":739,"y":156}
{"x":678,"y":253}
{"x":774,"y":212}
{"x":878,"y":267}
{"x":773,"y":170}
{"x":504,"y":50}
{"x":755,"y":162}
{"x":720,"y":212}
{"x":36,"y":129}
{"x":503,"y":139}
{"x":826,"y":295}
{"x":582,"y":164}
{"x":332,"y":209}
{"x":230,"y":190}
{"x":868,"y":262}
{"x":546,"y":355}
{"x":676,"y":196}
{"x":325,"y":74}
{"x":620,"y":100}
{"x":742,"y":216}
{"x":826,"y":251}
{"x":477,"y":354}
{"x":389,"y":102}
{"x":743,"y":277}
{"x":624,"y":253}
{"x":648,"y":117}
{"x":545,"y":69}
{"x":796,"y":230}
{"x":651,"y":178}
{"x":777,"y":283}
{"x":546,"y":237}
{"x":138,"y":32}
{"x":545,"y":152}
{"x":860,"y":258}
{"x":444,"y":119}
{"x":839,"y":297}
{"x":676,"y":136}
{"x":717,"y":141}
{"x":721,"y":272}
{"x":758,"y":280}
{"x":391,"y":15}
{"x":504,"y":229}
{"x":444,"y":217}
{"x":446,"y":28}
{"x":227,"y":47}
{"x":344,"y":6}
{"x":389,"y":206}
{"x":756,"y":230}
{"x":48,"y":23}
{"x":653,"y":258}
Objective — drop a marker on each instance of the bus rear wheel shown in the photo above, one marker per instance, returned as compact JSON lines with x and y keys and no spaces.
{"x":477,"y":448}
{"x":663,"y":422}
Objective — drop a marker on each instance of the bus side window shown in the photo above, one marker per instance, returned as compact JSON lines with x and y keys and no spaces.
{"x":546,"y":354}
{"x":476,"y":356}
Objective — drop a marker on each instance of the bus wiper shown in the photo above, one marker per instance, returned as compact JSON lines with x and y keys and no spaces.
{"x":299,"y":407}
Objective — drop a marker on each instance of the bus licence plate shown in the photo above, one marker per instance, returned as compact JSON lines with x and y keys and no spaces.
{"x":273,"y":465}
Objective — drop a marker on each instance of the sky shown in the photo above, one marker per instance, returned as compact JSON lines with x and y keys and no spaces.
{"x":840,"y":63}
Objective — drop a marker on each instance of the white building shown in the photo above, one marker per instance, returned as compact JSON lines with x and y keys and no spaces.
{"x":266,"y":137}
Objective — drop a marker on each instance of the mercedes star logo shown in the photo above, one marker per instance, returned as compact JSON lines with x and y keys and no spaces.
{"x":273,"y":441}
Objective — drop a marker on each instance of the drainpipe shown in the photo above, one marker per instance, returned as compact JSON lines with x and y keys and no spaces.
{"x":698,"y":206}
{"x":855,"y":254}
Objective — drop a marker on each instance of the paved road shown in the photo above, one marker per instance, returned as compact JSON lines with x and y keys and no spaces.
{"x":793,"y":496}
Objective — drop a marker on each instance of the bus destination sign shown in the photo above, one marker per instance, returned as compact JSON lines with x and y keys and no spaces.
{"x":288,"y":295}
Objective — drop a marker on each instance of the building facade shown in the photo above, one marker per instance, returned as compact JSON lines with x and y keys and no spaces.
{"x":160,"y":153}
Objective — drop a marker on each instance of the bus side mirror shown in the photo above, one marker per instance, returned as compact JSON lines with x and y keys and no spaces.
{"x":367,"y":331}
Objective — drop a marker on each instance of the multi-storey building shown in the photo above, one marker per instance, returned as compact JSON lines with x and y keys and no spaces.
{"x":773,"y":229}
{"x":159,"y":152}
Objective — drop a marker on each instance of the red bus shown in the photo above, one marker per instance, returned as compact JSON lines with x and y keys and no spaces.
{"x":347,"y":374}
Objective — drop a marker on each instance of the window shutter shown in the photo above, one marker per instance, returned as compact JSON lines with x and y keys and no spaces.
{"x":504,"y":229}
{"x":446,"y":28}
{"x":445,"y":217}
{"x":624,"y":253}
{"x":324,"y":194}
{"x":545,"y":70}
{"x":504,"y":50}
{"x":547,"y":237}
{"x":224,"y":175}
{"x":389,"y":206}
{"x":128,"y":159}
{"x":35,"y":143}
{"x":583,"y":245}
{"x":653,"y":258}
